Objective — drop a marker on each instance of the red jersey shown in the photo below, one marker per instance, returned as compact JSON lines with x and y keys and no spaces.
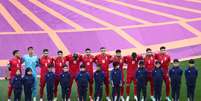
{"x":104,"y":60}
{"x":149,"y":62}
{"x":59,"y":62}
{"x":88,"y":61}
{"x":165,"y":61}
{"x":15,"y":64}
{"x":120,"y":60}
{"x":131,"y":65}
{"x":45,"y":61}
{"x":74,"y":65}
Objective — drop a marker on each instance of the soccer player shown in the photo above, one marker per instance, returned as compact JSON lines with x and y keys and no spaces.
{"x":191,"y":74}
{"x":104,"y":60}
{"x":149,"y":61}
{"x":88,"y":60}
{"x":158,"y":80}
{"x":175,"y":74}
{"x":83,"y":79}
{"x":141,"y":76}
{"x":49,"y":80}
{"x":28,"y":82}
{"x":45,"y":61}
{"x":59,"y":62}
{"x":65,"y":78}
{"x":17,"y":85}
{"x":14,"y":64}
{"x":118,"y":58}
{"x":99,"y":78}
{"x":74,"y":61}
{"x":32,"y":61}
{"x":116,"y":81}
{"x":132,"y":62}
{"x":165,"y":60}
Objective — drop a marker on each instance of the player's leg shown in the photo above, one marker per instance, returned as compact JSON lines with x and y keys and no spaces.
{"x":9,"y":90}
{"x":144,"y":91}
{"x":118,"y":93}
{"x":34,"y":91}
{"x":56,"y":83}
{"x":42,"y":86}
{"x":113,"y":93}
{"x":107,"y":87}
{"x":122,"y":87}
{"x":173,"y":92}
{"x":167,"y":84}
{"x":91,"y":86}
{"x":135,"y":88}
{"x":138,"y":93}
{"x":128,"y":82}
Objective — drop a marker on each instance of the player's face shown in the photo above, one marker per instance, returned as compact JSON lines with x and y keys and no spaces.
{"x":45,"y":53}
{"x":18,"y":72}
{"x":18,"y":54}
{"x":149,"y":52}
{"x":82,"y":69}
{"x":60,"y":54}
{"x":31,"y":51}
{"x":88,"y":52}
{"x":66,"y":69}
{"x":176,"y":64}
{"x":158,"y":65}
{"x":163,"y":51}
{"x":118,"y":54}
{"x":30,"y":72}
{"x":103,"y":51}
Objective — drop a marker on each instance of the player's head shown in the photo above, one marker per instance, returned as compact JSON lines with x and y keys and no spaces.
{"x":134,"y":55}
{"x":176,"y":63}
{"x":163,"y":50}
{"x":45,"y":52}
{"x":18,"y":72}
{"x":30,"y":50}
{"x":116,"y":65}
{"x":87,"y":51}
{"x":65,"y":68}
{"x":60,"y":53}
{"x":157,"y":64}
{"x":75,"y":56}
{"x":28,"y":71}
{"x":82,"y":67}
{"x":16,"y":53}
{"x":103,"y":50}
{"x":118,"y":52}
{"x":98,"y":67}
{"x":191,"y":63}
{"x":149,"y":51}
{"x":141,"y":64}
{"x":50,"y":67}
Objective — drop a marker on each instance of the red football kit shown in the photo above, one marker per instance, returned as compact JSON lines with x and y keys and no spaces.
{"x":14,"y":64}
{"x":58,"y":63}
{"x":149,"y":61}
{"x":74,"y":67}
{"x":121,"y":61}
{"x":44,"y":62}
{"x":88,"y":61}
{"x":165,"y":62}
{"x":104,"y":60}
{"x":132,"y":64}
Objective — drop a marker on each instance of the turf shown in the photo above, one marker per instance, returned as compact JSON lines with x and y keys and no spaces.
{"x":4,"y":83}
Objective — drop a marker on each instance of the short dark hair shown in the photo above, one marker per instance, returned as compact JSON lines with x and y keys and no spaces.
{"x":82,"y":66}
{"x":148,"y":49}
{"x":58,"y":52}
{"x":191,"y":61}
{"x":162,"y":47}
{"x":45,"y":50}
{"x":15,"y":51}
{"x":157,"y":62}
{"x":30,"y":47}
{"x":118,"y":51}
{"x":175,"y":60}
{"x":87,"y":49}
{"x":115,"y":64}
{"x":50,"y":65}
{"x":141,"y":62}
{"x":102,"y":48}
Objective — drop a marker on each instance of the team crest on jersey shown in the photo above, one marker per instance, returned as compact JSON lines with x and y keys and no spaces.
{"x":74,"y":62}
{"x":103,"y":61}
{"x":133,"y":62}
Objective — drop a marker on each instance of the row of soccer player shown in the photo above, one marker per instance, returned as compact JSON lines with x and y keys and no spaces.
{"x":74,"y":60}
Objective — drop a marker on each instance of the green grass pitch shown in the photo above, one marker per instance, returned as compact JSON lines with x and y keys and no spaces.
{"x":4,"y":83}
